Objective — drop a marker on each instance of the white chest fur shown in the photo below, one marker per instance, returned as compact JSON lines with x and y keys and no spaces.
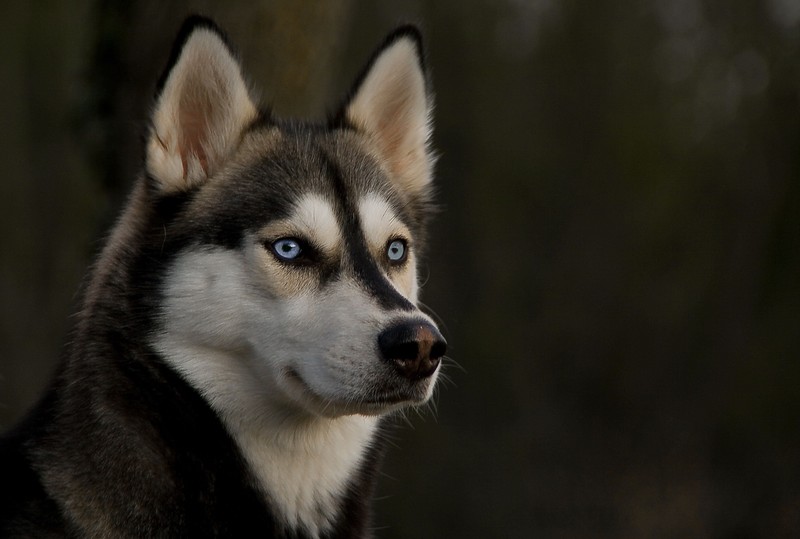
{"x":305,"y":469}
{"x":303,"y":464}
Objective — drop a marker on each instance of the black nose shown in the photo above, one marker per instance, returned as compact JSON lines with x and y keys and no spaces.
{"x":414,"y":348}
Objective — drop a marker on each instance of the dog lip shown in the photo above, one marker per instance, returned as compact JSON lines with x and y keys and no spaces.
{"x":294,"y":377}
{"x":376,"y":404}
{"x":391,"y":398}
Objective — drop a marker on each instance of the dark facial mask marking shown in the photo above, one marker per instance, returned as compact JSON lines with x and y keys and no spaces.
{"x":364,"y":266}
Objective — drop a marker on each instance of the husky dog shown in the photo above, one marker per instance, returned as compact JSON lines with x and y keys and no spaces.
{"x":250,"y":321}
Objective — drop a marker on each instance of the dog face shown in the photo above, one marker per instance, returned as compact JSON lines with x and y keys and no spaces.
{"x":295,"y":283}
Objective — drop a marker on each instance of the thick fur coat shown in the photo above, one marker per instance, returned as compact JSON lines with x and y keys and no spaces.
{"x":250,"y":322}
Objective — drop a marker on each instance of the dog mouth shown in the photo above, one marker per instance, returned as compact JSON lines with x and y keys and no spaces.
{"x":379,"y":402}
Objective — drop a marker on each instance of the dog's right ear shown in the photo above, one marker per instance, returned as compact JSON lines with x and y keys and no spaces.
{"x":201,"y":110}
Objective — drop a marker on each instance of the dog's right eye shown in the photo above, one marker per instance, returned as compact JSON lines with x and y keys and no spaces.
{"x":288,"y":249}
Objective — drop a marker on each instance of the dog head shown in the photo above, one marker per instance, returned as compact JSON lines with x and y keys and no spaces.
{"x":294,"y":279}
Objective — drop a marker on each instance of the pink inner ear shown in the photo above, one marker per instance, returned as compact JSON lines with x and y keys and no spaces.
{"x":390,"y":125}
{"x":195,"y":130}
{"x":397,"y":137}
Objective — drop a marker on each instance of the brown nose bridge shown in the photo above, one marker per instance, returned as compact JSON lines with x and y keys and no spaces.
{"x":425,"y":340}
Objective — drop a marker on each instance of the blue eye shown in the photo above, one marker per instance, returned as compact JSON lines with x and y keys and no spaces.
{"x":396,"y":250}
{"x":287,"y":248}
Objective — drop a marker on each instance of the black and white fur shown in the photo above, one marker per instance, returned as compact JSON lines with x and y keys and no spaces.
{"x":250,"y":321}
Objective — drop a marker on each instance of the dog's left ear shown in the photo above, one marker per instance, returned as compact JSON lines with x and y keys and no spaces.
{"x":201,"y":111}
{"x":392,"y":105}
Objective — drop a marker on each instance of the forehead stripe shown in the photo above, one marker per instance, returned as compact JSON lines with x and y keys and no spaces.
{"x":364,"y":266}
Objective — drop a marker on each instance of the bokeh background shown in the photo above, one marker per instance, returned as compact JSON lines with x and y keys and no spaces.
{"x":616,"y":263}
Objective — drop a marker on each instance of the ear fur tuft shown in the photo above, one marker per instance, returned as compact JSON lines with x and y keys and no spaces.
{"x":392,"y":105}
{"x":202,"y":108}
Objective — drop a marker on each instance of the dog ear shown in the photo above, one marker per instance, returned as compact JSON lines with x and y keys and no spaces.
{"x":392,"y":105}
{"x":201,"y":110}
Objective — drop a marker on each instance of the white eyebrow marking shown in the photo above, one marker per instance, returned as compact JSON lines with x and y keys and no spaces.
{"x":378,"y":220}
{"x":379,"y":223}
{"x":314,"y":217}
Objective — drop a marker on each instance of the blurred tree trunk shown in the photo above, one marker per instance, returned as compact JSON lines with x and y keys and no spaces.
{"x":288,"y":50}
{"x":49,"y":201}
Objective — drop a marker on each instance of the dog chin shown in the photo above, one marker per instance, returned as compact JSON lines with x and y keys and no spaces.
{"x":377,"y":403}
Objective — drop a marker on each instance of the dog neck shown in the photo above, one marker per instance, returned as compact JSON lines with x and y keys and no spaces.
{"x":305,"y":467}
{"x":303,"y":464}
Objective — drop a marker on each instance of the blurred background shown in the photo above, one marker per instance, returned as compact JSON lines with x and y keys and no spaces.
{"x":616,"y":263}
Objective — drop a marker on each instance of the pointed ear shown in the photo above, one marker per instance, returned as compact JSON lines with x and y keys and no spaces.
{"x":392,"y":106}
{"x":201,"y":110}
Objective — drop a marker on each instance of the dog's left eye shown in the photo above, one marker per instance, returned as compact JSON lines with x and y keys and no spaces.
{"x":287,"y":248}
{"x":396,"y":251}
